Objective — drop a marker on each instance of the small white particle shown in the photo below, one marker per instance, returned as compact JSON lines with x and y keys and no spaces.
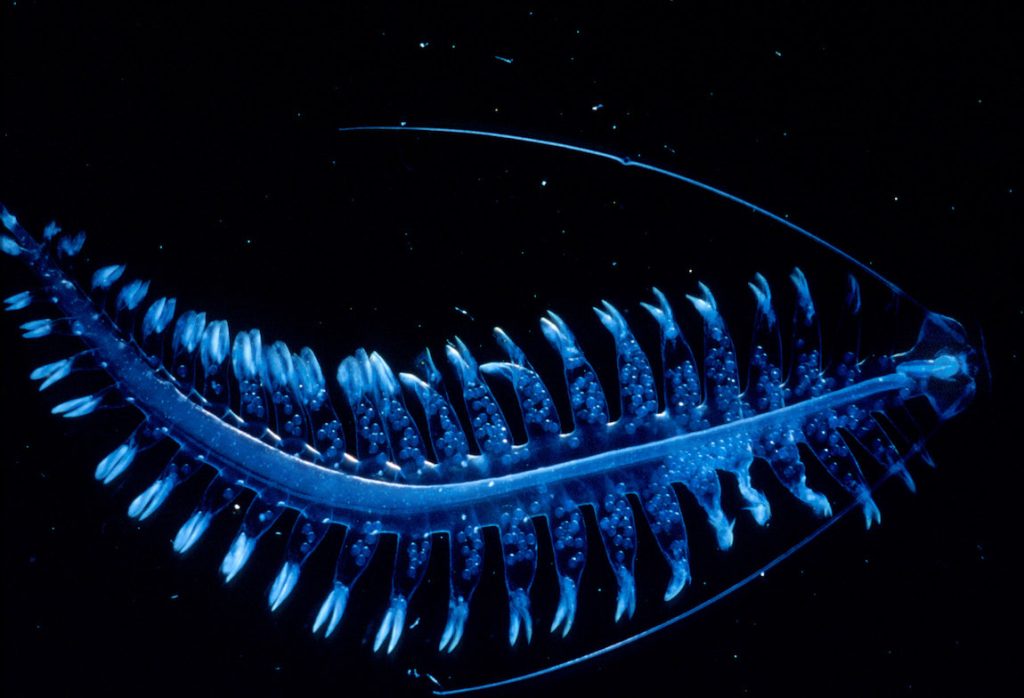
{"x":424,"y":44}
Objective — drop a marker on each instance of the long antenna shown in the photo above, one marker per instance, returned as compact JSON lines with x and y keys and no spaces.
{"x":629,"y":162}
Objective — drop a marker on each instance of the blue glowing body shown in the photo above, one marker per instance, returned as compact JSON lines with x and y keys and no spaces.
{"x":262,"y":417}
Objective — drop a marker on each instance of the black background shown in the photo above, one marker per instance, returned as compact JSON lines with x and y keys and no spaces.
{"x":199,"y":144}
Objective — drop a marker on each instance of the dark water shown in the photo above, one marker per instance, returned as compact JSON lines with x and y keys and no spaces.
{"x":200,"y":146}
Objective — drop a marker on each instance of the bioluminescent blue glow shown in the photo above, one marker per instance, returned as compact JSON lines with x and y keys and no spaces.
{"x":396,"y":457}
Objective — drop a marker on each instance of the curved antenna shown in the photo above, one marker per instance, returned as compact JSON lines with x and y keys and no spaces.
{"x":629,"y":162}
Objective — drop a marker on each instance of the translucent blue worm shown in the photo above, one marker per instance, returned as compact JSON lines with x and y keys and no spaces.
{"x":263,"y":418}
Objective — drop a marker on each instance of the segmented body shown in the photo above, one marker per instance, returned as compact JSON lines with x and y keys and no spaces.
{"x":263,"y":418}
